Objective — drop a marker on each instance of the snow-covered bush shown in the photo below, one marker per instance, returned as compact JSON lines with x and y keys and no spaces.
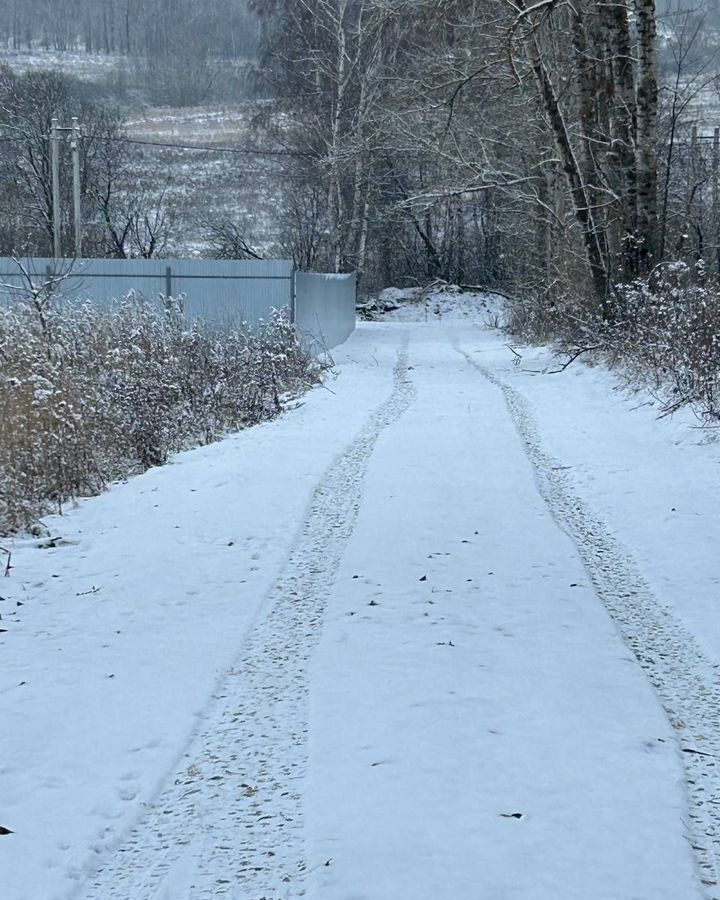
{"x":88,"y":396}
{"x":663,"y":331}
{"x":667,"y":329}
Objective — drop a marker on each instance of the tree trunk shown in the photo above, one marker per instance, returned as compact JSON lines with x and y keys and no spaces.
{"x":647,"y":104}
{"x":571,"y":167}
{"x":336,"y":117}
{"x":622,"y":131}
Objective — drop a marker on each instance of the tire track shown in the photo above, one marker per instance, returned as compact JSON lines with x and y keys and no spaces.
{"x":231,"y":823}
{"x":685,"y":680}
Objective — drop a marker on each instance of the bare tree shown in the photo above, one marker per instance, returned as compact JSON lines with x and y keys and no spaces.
{"x":28,"y":104}
{"x":226,"y":238}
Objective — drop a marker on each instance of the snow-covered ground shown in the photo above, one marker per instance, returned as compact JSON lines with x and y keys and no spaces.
{"x":447,"y":629}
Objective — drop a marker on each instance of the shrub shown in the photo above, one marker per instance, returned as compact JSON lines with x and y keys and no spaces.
{"x":667,"y":332}
{"x":662,"y":331}
{"x":88,"y":396}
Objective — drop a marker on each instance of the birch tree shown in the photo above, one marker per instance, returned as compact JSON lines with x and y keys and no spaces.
{"x":603,"y":119}
{"x":327,"y":59}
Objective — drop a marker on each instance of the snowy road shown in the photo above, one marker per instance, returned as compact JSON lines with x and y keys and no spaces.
{"x":389,"y":646}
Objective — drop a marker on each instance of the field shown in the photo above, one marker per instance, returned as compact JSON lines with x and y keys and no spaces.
{"x":192,"y":185}
{"x":202,"y":183}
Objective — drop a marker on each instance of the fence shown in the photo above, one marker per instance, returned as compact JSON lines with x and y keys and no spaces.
{"x":223,"y":292}
{"x":324,"y":308}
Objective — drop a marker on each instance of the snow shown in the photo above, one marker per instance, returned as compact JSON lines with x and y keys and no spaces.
{"x":496,"y":686}
{"x":653,"y":481}
{"x":388,"y":645}
{"x":126,"y":626}
{"x":448,"y":304}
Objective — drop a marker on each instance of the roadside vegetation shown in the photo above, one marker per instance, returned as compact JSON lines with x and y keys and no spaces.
{"x":660,"y":333}
{"x":89,"y":396}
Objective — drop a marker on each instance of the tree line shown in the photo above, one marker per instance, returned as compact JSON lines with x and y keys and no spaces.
{"x":508,"y":144}
{"x":176,"y":52}
{"x":123,"y":217}
{"x":224,"y":28}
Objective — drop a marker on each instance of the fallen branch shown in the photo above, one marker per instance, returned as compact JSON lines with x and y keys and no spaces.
{"x":518,"y":357}
{"x":489,"y":291}
{"x":574,"y":354}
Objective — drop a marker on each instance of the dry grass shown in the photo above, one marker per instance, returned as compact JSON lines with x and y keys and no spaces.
{"x":88,"y":396}
{"x":201,"y":184}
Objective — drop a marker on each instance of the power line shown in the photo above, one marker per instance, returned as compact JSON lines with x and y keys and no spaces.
{"x":240,"y":151}
{"x":243,"y":151}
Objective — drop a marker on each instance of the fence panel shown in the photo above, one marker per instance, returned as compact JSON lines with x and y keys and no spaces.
{"x":228,"y":291}
{"x":324,"y":308}
{"x":223,"y":292}
{"x":100,"y":280}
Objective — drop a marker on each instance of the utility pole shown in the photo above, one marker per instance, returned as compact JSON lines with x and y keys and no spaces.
{"x":55,"y":166}
{"x":77,"y":208}
{"x":716,"y":195}
{"x":56,"y":133}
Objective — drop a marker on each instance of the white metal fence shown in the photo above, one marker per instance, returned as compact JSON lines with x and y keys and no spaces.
{"x":324,"y":308}
{"x":223,"y":292}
